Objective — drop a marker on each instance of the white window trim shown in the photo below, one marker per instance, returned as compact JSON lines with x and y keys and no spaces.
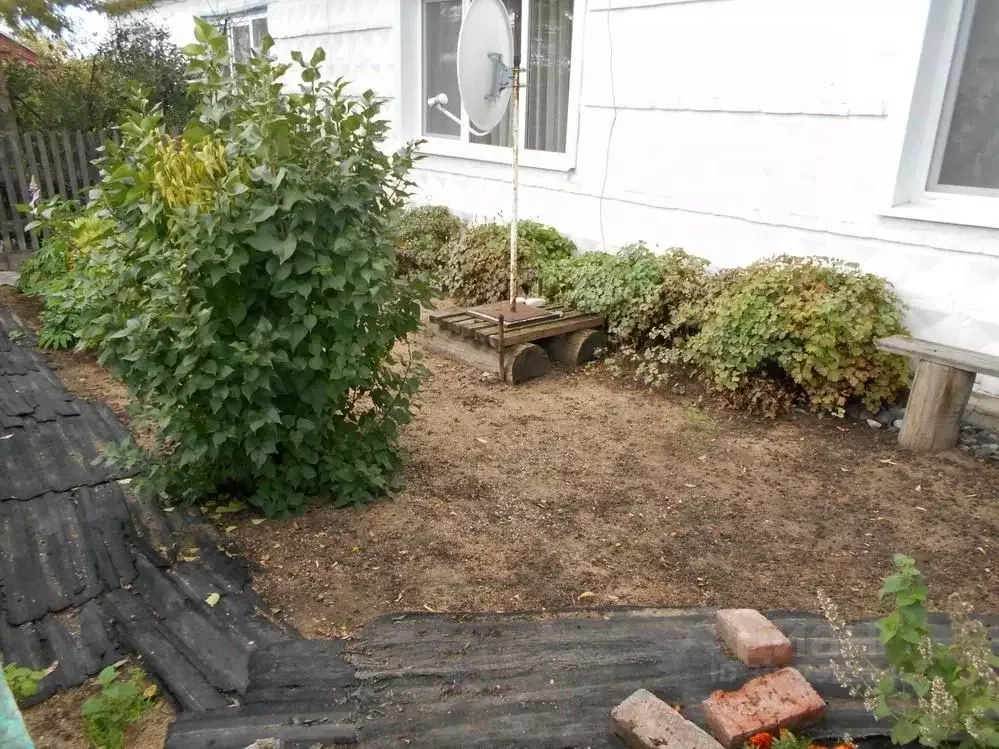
{"x":925,"y":120}
{"x":239,"y":17}
{"x":463,"y":149}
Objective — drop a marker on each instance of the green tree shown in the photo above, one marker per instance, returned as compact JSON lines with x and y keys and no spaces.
{"x":64,"y":92}
{"x":50,"y":15}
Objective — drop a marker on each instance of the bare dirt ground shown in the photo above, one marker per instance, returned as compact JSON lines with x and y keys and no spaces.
{"x":577,"y":490}
{"x":580,"y":490}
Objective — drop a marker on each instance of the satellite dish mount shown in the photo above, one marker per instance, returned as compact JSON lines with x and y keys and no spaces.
{"x":489,"y":82}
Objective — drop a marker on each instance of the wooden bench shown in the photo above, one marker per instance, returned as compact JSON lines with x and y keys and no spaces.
{"x":940,"y":391}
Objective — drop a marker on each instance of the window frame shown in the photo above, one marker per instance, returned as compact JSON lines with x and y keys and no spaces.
{"x":928,"y":111}
{"x":241,"y":17}
{"x":462,"y":147}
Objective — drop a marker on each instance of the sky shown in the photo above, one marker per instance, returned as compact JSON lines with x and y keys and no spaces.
{"x":88,"y":28}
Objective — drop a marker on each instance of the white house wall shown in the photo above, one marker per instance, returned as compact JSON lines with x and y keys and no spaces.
{"x":736,"y":129}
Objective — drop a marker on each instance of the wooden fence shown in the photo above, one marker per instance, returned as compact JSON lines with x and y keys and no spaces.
{"x":59,"y":163}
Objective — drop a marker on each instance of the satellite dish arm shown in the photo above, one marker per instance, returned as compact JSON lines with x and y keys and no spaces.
{"x":439,"y":103}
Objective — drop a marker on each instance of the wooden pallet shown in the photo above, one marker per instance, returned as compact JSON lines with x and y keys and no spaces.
{"x":528,"y":347}
{"x":464,"y":325}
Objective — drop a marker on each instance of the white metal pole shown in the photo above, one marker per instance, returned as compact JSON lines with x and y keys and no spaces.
{"x":515,"y":127}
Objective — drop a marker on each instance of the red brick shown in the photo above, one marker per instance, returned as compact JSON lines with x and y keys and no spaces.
{"x":753,"y":638}
{"x":643,"y":721}
{"x":783,"y":699}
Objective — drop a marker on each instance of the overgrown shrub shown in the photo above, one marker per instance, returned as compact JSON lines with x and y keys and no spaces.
{"x":423,"y":234}
{"x":477,"y":266}
{"x":816,"y":319}
{"x":64,"y":91}
{"x":543,"y":244}
{"x":647,"y":299}
{"x":254,"y":310}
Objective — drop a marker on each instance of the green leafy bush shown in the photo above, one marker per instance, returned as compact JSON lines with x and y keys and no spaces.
{"x":647,"y":299}
{"x":72,"y":239}
{"x":934,"y":692}
{"x":23,"y":682}
{"x":254,"y":312}
{"x":423,"y":234}
{"x":544,"y":244}
{"x":477,"y":264}
{"x":815,"y":319}
{"x":119,"y":703}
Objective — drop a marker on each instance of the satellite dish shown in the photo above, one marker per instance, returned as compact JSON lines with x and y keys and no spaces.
{"x":489,"y":80}
{"x":485,"y":59}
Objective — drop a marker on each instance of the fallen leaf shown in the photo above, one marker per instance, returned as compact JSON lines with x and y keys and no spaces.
{"x":427,"y":607}
{"x":888,"y":461}
{"x":169,"y":509}
{"x":256,"y":521}
{"x":234,"y":506}
{"x":587,"y":594}
{"x":213,"y":599}
{"x":356,"y":549}
{"x":231,"y":528}
{"x":691,"y":486}
{"x":150,"y":691}
{"x":482,"y":440}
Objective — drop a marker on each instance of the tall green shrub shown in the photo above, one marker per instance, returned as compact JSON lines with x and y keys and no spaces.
{"x":476,"y":268}
{"x":423,"y":233}
{"x":817,"y":319}
{"x":255,"y":312}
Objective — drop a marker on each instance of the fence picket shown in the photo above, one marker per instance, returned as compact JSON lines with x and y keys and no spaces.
{"x":23,"y":181}
{"x":14,"y":221}
{"x":57,"y":171}
{"x":61,"y":163}
{"x":43,"y":158}
{"x":81,"y":152}
{"x":92,"y":145}
{"x":67,"y":153}
{"x":6,"y":225}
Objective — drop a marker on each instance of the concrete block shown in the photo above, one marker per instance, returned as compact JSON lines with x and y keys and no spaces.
{"x":643,"y":721}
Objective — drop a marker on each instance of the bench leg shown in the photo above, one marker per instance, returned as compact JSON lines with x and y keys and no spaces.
{"x":936,"y":403}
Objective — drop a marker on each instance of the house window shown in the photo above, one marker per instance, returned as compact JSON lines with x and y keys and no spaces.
{"x":246,"y":35}
{"x":966,"y":156}
{"x":948,"y":170}
{"x":547,"y":42}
